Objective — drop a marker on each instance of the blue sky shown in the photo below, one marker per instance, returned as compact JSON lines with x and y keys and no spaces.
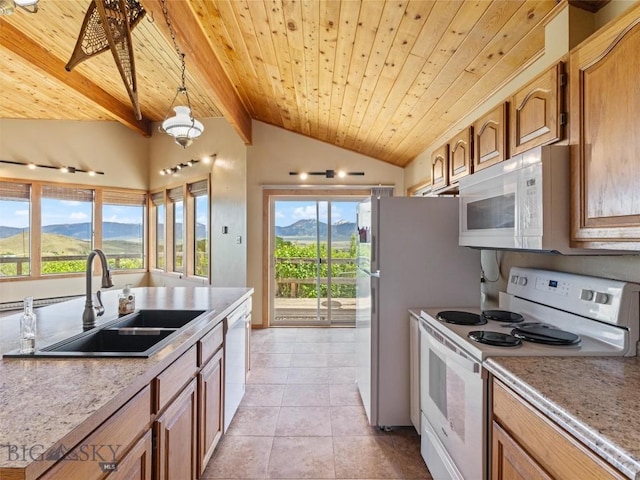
{"x":16,"y":213}
{"x":289,"y":211}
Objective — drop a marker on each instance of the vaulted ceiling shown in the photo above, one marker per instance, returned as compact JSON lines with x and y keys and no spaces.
{"x":383,"y":78}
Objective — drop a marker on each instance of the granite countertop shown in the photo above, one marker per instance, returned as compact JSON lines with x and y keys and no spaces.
{"x":593,"y":398}
{"x":50,"y":403}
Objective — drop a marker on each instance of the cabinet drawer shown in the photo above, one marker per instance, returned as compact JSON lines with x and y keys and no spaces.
{"x":107,"y":444}
{"x":557,"y":452}
{"x":174,"y":377}
{"x":210,"y":343}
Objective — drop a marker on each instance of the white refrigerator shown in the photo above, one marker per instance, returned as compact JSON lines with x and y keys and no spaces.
{"x":408,"y":256}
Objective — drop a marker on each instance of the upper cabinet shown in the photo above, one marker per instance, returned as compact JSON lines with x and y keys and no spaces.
{"x":536,"y":111}
{"x":461,"y":155}
{"x":490,"y":140}
{"x":440,"y":168}
{"x":605,"y":136}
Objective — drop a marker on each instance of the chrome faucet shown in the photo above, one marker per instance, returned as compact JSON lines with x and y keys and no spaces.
{"x":90,"y":312}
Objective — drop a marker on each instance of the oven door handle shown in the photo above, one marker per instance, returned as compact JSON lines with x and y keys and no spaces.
{"x":451,"y":355}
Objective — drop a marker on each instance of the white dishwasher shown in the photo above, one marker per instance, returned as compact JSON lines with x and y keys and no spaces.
{"x":234,"y":361}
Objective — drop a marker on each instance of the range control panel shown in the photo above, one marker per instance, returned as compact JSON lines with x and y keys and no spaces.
{"x":603,"y":299}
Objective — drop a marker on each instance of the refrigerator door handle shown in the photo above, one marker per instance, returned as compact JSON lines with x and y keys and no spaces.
{"x":373,"y":300}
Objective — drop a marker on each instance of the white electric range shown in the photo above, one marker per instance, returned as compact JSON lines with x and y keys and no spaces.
{"x":543,"y":313}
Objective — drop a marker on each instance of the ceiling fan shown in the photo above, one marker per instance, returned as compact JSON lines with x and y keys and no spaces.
{"x":7,"y":7}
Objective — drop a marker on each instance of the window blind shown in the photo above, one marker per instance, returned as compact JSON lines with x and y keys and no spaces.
{"x":157,"y":198}
{"x":175,"y":194}
{"x":14,"y":191}
{"x":382,"y":192}
{"x":66,"y":193}
{"x":114,"y":197}
{"x":198,"y":189}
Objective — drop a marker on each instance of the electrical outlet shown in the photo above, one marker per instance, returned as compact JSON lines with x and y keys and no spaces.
{"x":225,"y":230}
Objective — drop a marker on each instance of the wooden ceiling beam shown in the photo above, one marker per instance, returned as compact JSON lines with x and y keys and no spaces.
{"x":21,"y":45}
{"x":202,"y":62}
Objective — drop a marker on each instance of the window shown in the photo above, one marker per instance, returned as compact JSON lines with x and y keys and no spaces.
{"x":157,"y":200}
{"x":15,"y":214}
{"x":177,"y":200}
{"x":67,"y":229}
{"x":199,"y":190}
{"x":123,"y":216}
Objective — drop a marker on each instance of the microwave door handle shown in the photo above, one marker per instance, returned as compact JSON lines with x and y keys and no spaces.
{"x":450,"y":355}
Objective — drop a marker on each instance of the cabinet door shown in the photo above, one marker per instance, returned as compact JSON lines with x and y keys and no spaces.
{"x":490,"y":140}
{"x":136,"y":465}
{"x":605,"y":121}
{"x":176,"y":438}
{"x":510,"y":462}
{"x":210,"y":407}
{"x":536,"y":111}
{"x":460,"y":155}
{"x":440,"y":167}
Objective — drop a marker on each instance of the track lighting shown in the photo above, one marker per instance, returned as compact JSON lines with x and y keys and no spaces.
{"x":189,"y":163}
{"x":63,"y":169}
{"x":327,"y":174}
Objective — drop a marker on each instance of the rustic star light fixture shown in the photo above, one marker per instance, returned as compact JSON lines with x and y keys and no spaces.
{"x":182,"y":126}
{"x":107,"y":26}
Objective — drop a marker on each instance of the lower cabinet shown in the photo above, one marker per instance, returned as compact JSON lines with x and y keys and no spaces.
{"x":176,"y":441}
{"x":526,"y":444}
{"x":211,"y":408}
{"x":136,"y":465}
{"x":187,"y":400}
{"x":109,"y":446}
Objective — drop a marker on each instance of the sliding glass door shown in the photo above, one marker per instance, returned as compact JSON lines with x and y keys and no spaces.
{"x":312,"y":267}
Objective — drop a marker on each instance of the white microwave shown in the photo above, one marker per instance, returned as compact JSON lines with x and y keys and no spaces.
{"x":519,"y":204}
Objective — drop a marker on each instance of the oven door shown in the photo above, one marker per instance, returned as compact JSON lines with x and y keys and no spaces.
{"x":452,"y":401}
{"x":489,"y":213}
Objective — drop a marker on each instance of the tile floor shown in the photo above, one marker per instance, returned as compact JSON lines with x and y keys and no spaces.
{"x":302,"y":417}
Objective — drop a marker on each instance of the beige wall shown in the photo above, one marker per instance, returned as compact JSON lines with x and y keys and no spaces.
{"x":228,"y":196}
{"x":104,"y":146}
{"x":274,"y":153}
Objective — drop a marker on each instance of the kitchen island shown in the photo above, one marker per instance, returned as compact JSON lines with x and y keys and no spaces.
{"x":594,"y":399}
{"x":48,"y":406}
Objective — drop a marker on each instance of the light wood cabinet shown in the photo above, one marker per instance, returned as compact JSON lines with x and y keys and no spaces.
{"x":176,"y":443}
{"x":93,"y":457}
{"x":490,"y":138}
{"x":461,"y":155}
{"x":440,"y":168}
{"x":136,"y":465}
{"x":210,"y":408}
{"x":510,"y":461}
{"x":536,"y":111}
{"x":604,"y":124}
{"x":525,"y":444}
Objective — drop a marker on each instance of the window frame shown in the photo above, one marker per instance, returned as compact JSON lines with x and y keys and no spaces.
{"x":188,"y":239}
{"x":36,"y":227}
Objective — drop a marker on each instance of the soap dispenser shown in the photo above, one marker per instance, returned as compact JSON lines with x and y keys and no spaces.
{"x":126,"y":301}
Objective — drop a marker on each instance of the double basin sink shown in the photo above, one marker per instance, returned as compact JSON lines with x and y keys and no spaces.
{"x":139,"y":334}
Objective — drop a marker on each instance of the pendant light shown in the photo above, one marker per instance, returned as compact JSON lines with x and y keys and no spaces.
{"x":181,"y":126}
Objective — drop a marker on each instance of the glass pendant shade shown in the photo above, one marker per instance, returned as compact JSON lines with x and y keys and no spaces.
{"x":182,"y":126}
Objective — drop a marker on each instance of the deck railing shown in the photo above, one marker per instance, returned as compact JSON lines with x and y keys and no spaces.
{"x":293,"y":283}
{"x":22,"y":262}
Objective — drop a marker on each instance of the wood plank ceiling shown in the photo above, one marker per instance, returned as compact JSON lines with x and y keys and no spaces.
{"x":382,"y":78}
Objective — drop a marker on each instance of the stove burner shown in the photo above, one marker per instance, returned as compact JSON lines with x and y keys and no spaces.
{"x":502,"y":316}
{"x":460,"y":318}
{"x":545,"y":335}
{"x":496,"y":339}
